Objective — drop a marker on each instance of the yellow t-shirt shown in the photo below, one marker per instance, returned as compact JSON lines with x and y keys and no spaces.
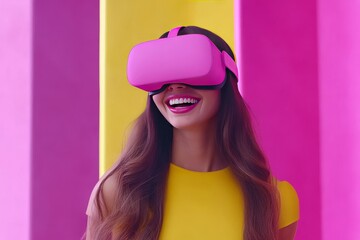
{"x":208,"y":205}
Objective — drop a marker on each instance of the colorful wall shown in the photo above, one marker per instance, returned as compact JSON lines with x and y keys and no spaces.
{"x":66,"y":106}
{"x":339,"y":96}
{"x":49,"y":101}
{"x":281,"y":84}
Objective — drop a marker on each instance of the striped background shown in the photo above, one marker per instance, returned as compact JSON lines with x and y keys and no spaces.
{"x":66,"y":106}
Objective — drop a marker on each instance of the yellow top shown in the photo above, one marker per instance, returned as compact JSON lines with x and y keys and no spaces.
{"x":209,"y":205}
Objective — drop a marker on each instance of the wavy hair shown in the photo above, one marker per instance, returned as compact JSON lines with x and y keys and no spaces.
{"x":141,"y":171}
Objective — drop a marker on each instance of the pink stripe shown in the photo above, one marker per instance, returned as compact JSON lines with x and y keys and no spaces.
{"x":237,"y":36}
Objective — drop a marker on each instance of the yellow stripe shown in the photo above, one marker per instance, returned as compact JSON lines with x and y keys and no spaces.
{"x":126,"y":23}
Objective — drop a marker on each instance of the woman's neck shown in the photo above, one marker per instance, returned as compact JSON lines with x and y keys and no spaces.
{"x":196,"y":150}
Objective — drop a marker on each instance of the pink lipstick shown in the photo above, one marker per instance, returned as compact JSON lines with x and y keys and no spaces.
{"x":181,"y":103}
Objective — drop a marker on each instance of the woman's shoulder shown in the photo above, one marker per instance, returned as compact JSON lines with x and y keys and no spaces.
{"x":109,"y":182}
{"x":289,"y":203}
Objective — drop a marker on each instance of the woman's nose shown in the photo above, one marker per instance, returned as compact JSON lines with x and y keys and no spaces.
{"x":176,"y":86}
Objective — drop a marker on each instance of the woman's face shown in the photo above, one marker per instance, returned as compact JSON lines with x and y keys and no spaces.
{"x":188,"y":108}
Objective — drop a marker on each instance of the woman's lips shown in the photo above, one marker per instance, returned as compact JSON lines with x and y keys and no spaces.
{"x":183,"y":109}
{"x":173,"y":103}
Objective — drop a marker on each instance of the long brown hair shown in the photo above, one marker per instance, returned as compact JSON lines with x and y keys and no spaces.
{"x":142,"y":169}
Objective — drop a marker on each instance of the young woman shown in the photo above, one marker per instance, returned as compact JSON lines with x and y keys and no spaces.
{"x":191,"y":168}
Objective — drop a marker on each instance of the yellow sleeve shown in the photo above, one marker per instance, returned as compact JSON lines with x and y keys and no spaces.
{"x":289,"y":204}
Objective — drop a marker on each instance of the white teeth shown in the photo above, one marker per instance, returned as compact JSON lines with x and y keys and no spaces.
{"x":182,"y":100}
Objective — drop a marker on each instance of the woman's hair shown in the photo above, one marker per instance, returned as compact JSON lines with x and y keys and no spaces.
{"x":141,"y":171}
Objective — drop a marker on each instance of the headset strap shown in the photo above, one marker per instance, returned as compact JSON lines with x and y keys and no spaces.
{"x":174,"y":32}
{"x":230,"y":63}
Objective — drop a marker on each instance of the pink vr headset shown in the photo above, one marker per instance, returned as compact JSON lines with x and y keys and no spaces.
{"x":191,"y":59}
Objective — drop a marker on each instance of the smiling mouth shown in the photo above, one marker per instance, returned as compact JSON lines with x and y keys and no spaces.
{"x":182,"y":102}
{"x":181,"y":105}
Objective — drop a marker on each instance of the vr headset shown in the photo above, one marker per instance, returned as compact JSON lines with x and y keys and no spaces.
{"x":191,"y":59}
